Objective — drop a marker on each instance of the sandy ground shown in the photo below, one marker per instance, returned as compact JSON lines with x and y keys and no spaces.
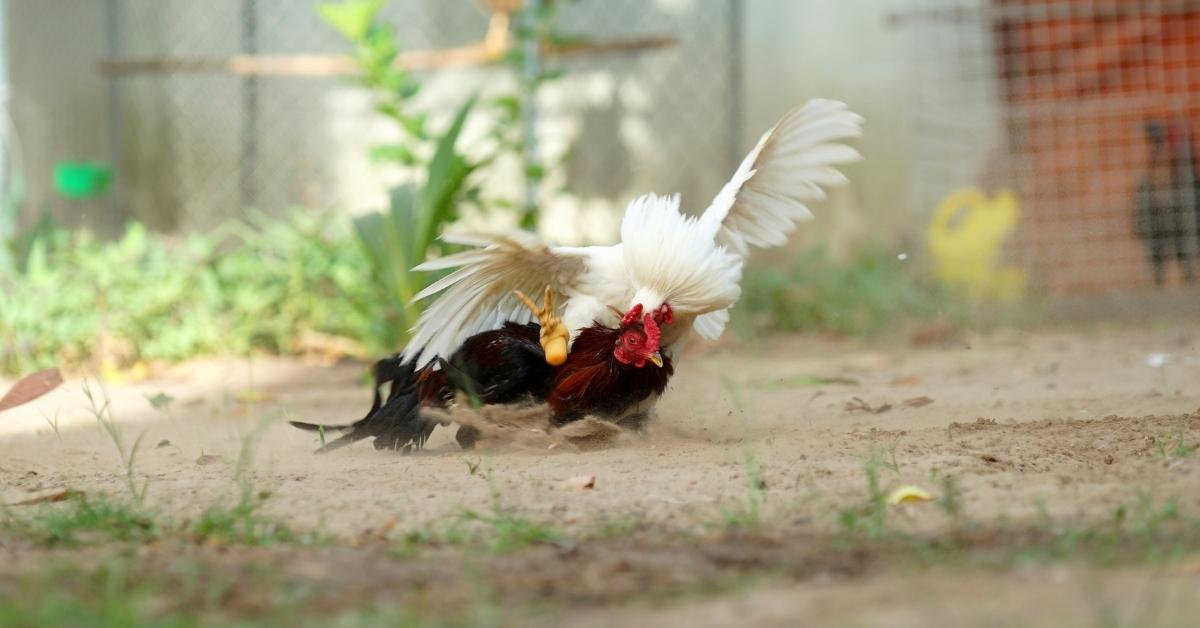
{"x":1069,"y":423}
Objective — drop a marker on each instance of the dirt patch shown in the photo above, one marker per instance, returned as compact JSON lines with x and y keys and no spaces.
{"x":1073,"y":426}
{"x":1079,"y":445}
{"x":650,"y":575}
{"x":530,"y":426}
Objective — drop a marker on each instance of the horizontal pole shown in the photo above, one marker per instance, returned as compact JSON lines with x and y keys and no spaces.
{"x":316,"y":65}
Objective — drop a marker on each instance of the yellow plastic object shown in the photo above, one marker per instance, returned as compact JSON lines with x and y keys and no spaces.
{"x":110,"y":371}
{"x":908,"y":493}
{"x":966,"y":238}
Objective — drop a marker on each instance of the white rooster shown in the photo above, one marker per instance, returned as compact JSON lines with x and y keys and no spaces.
{"x":684,"y":270}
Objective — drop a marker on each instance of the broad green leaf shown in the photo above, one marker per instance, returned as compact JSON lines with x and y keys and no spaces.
{"x":447,"y":171}
{"x":394,"y":153}
{"x":414,"y":124}
{"x":509,"y":105}
{"x":403,"y":214}
{"x":351,"y":18}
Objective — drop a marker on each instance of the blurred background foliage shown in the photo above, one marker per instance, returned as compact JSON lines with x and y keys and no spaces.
{"x":303,"y":284}
{"x":308,"y":281}
{"x":265,"y":284}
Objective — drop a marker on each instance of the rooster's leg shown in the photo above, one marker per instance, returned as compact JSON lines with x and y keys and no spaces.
{"x":554,"y":334}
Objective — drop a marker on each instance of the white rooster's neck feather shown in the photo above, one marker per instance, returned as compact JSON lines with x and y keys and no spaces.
{"x":674,"y":258}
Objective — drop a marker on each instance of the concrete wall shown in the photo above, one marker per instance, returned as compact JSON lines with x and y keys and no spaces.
{"x":854,"y":51}
{"x":58,"y":101}
{"x":620,"y":126}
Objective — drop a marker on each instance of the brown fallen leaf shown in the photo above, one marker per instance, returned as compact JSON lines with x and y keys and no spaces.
{"x":31,"y":387}
{"x":935,"y":333}
{"x":207,"y":459}
{"x":858,"y":405}
{"x":918,"y":402}
{"x":581,"y":482}
{"x":51,"y":498}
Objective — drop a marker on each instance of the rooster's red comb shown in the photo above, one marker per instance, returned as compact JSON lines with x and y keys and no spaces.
{"x":653,"y":333}
{"x":632,"y":315}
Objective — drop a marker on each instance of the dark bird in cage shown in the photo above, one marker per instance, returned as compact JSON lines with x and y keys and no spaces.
{"x":610,"y":373}
{"x":1166,"y":203}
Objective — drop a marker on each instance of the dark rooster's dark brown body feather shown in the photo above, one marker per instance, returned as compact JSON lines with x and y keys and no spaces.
{"x":593,"y":381}
{"x":502,"y":366}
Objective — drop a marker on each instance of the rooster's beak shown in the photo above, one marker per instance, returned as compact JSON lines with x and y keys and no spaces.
{"x":656,"y":358}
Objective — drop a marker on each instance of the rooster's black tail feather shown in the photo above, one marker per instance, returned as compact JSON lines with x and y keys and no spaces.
{"x":394,"y":423}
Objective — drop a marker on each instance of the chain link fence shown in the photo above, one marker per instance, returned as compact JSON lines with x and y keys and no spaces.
{"x":1086,"y":109}
{"x":194,"y":143}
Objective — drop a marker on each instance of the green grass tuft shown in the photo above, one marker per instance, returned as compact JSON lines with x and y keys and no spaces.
{"x":868,"y":519}
{"x":83,"y":520}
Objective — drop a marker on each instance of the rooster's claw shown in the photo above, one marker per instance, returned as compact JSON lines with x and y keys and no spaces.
{"x":554,"y":334}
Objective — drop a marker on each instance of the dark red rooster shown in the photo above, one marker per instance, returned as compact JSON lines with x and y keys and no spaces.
{"x":615,"y":374}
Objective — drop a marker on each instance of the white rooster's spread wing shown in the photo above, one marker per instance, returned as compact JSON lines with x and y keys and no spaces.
{"x":478,"y":296}
{"x":771,"y":189}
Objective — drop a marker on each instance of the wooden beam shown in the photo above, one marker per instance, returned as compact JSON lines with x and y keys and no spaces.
{"x":316,"y":65}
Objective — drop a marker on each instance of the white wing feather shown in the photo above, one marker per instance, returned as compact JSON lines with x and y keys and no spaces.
{"x":479,"y":295}
{"x":759,"y":206}
{"x":770,"y":191}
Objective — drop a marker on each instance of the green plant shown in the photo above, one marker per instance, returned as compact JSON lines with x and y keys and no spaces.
{"x":243,"y":523}
{"x":86,"y":519}
{"x":508,"y":530}
{"x":374,"y":51}
{"x":53,"y":423}
{"x":406,"y":234}
{"x":403,"y":237}
{"x":951,"y":499}
{"x":1174,"y":446}
{"x":100,"y":517}
{"x":397,"y":240}
{"x":871,"y":294}
{"x":749,"y":514}
{"x":869,"y":518}
{"x":473,"y":466}
{"x":81,"y":301}
{"x":128,"y":455}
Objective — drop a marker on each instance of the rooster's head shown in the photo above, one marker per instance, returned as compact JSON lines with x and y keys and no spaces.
{"x":638,"y":342}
